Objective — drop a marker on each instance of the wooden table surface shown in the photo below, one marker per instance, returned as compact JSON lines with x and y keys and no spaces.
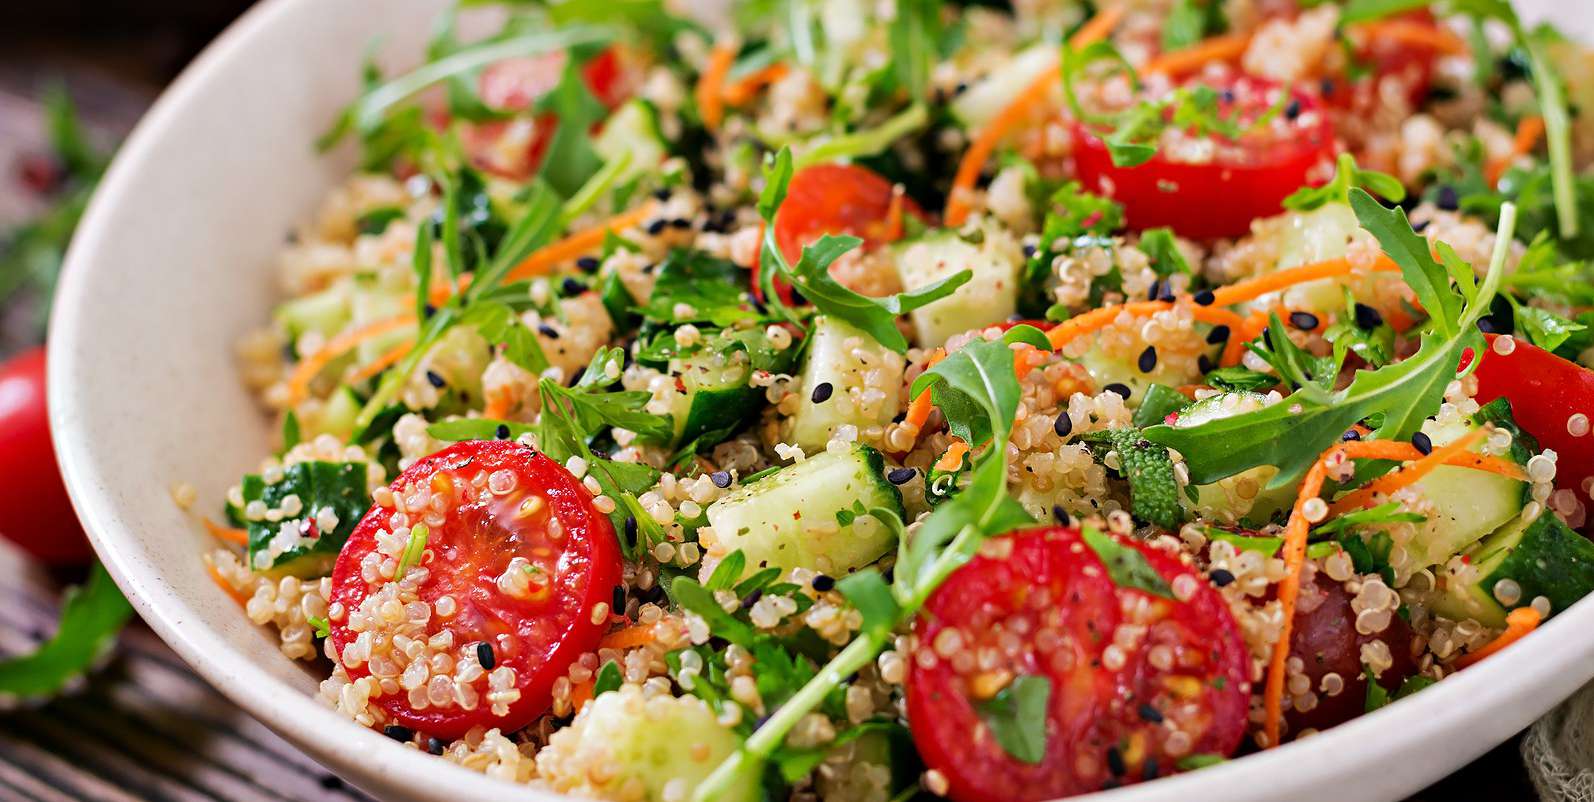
{"x":145,"y":727}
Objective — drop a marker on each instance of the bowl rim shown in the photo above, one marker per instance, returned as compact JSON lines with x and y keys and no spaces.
{"x":1477,"y":708}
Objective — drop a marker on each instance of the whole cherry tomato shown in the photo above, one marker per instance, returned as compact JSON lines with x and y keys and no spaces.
{"x":37,"y":514}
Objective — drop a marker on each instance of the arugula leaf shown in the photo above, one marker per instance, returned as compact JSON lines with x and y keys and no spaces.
{"x":870,"y":594}
{"x":1240,"y":379}
{"x":1389,"y":513}
{"x":460,"y":88}
{"x":913,"y":35}
{"x":91,"y":615}
{"x":1427,"y":278}
{"x":1185,"y":24}
{"x":1291,"y":434}
{"x":867,"y":142}
{"x":1298,"y":366}
{"x":1160,"y":402}
{"x":695,"y":598}
{"x":692,"y":286}
{"x":561,"y":437}
{"x":1346,"y":176}
{"x":1166,"y":258}
{"x":459,"y":429}
{"x":1369,"y":555}
{"x":975,"y":389}
{"x":1017,"y":717}
{"x":570,"y":159}
{"x":290,"y":432}
{"x":1543,"y":328}
{"x":500,"y":326}
{"x":1375,"y":346}
{"x":1127,"y":567}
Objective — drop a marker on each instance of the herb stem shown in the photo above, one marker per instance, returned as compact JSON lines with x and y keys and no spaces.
{"x":1558,"y":134}
{"x":867,"y":142}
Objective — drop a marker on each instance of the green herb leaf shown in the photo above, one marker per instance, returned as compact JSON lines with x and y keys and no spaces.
{"x":290,"y":432}
{"x":1166,"y":258}
{"x":1543,"y":328}
{"x":1376,"y":695}
{"x":500,"y":326}
{"x":695,"y":598}
{"x":875,"y":316}
{"x":1160,"y":402}
{"x":1390,"y":513}
{"x":727,"y":572}
{"x":975,"y":389}
{"x":294,"y":544}
{"x":1127,"y":567}
{"x":914,"y":33}
{"x":1427,"y":278}
{"x":1017,"y":717}
{"x":608,"y":679}
{"x":1240,"y":379}
{"x":693,"y":287}
{"x":870,"y":594}
{"x":1200,"y":761}
{"x":91,"y":615}
{"x":570,"y":159}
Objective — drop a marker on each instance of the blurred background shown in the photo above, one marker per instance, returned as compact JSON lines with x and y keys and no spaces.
{"x":75,"y":75}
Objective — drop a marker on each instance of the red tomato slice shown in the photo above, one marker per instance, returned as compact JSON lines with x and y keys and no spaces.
{"x":525,"y":562}
{"x":1244,"y":180}
{"x":832,"y":199}
{"x":1545,"y":391}
{"x":35,"y":512}
{"x":1137,"y":681}
{"x":1386,"y":59}
{"x":1325,"y":638}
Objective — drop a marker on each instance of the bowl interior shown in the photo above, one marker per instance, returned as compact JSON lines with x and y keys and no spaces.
{"x":175,"y":260}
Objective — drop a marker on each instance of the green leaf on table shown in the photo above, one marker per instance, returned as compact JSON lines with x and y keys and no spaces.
{"x":91,"y":615}
{"x":1017,"y":717}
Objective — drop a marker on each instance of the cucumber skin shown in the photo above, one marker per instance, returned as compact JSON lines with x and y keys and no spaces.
{"x":1550,"y":560}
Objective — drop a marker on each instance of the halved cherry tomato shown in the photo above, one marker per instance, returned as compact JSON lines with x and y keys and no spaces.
{"x":1545,"y":391}
{"x":515,"y":84}
{"x":1242,"y":181}
{"x":1386,"y":59}
{"x":832,"y":199}
{"x":35,"y":512}
{"x":1325,"y":638}
{"x":1137,"y":680}
{"x":505,"y":508}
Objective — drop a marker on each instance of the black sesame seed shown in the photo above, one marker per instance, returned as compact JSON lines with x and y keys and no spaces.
{"x":898,"y":476}
{"x":572,"y":287}
{"x":436,"y":746}
{"x":1204,"y":363}
{"x":618,"y":603}
{"x":548,"y":331}
{"x":1219,"y":577}
{"x":398,"y":733}
{"x":824,"y":583}
{"x":1218,"y":334}
{"x":1368,"y":317}
{"x":1486,"y":325}
{"x":588,"y":263}
{"x":435,"y":380}
{"x":485,"y":656}
{"x":1350,"y":435}
{"x":1064,"y":425}
{"x":752,"y":598}
{"x":681,"y":222}
{"x":721,"y":479}
{"x":1423,"y":443}
{"x":656,"y":227}
{"x":663,"y":193}
{"x":1148,"y":359}
{"x":1327,"y":87}
{"x":1155,"y":291}
{"x":630,"y":529}
{"x":1448,"y":200}
{"x":1029,"y":249}
{"x":1228,"y":96}
{"x":1061,"y":515}
{"x":428,"y":310}
{"x":1148,"y":713}
{"x":1148,"y":769}
{"x":502,"y":431}
{"x":1205,"y":298}
{"x":1305,"y":321}
{"x":1420,"y":225}
{"x":1118,"y":387}
{"x":331,"y":783}
{"x":1115,"y":762}
{"x":822,"y":392}
{"x":1292,"y":109}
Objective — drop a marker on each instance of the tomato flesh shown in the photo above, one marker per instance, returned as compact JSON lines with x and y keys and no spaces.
{"x":832,"y":199}
{"x":524,"y":561}
{"x":1324,"y":636}
{"x":1137,"y":681}
{"x":1545,"y":391}
{"x":37,"y":514}
{"x":1244,"y":180}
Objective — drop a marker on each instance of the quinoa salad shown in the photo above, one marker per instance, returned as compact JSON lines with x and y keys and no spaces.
{"x":820,"y":400}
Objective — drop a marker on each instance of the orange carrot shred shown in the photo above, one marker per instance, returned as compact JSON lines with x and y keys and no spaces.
{"x":983,"y":145}
{"x":1527,"y":137}
{"x":953,"y":458}
{"x":579,"y":243}
{"x":311,"y":366}
{"x":738,"y":92}
{"x":919,"y":408}
{"x":221,"y":582}
{"x":710,"y":90}
{"x":226,"y":534}
{"x":1254,"y":288}
{"x":1518,"y":623}
{"x":382,"y":362}
{"x":581,"y":694}
{"x":628,"y":638}
{"x":1390,"y":482}
{"x":1179,"y":63}
{"x":894,"y":215}
{"x":1414,"y":33}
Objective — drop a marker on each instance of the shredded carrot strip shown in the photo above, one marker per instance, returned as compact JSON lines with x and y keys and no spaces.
{"x":1087,"y":322}
{"x":226,"y":534}
{"x":1518,"y":623}
{"x":953,"y":458}
{"x":312,"y":365}
{"x":1390,"y":482}
{"x":980,"y":150}
{"x":497,"y":408}
{"x":710,"y":90}
{"x":1528,"y":132}
{"x":1416,"y":34}
{"x":894,"y":215}
{"x":1254,"y":288}
{"x":628,"y":638}
{"x":1189,"y":390}
{"x":919,"y":408}
{"x":381,"y":363}
{"x":226,"y":587}
{"x":581,"y":694}
{"x":1180,"y":63}
{"x":741,"y":91}
{"x":579,"y":243}
{"x":1289,"y":593}
{"x":1248,"y":330}
{"x":1028,"y":358}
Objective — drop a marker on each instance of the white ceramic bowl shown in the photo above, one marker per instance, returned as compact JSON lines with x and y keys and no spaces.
{"x":173,"y":262}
